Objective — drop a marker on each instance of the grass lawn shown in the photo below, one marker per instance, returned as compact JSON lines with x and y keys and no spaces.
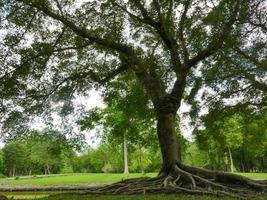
{"x":71,"y":179}
{"x":256,"y":176}
{"x":89,"y":178}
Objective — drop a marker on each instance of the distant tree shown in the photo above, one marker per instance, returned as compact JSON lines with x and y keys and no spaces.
{"x":236,"y":135}
{"x":47,"y":149}
{"x":195,"y":156}
{"x":140,"y":160}
{"x":14,"y":156}
{"x":105,"y":158}
{"x":2,"y":169}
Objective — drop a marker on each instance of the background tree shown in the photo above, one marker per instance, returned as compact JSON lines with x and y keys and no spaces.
{"x":47,"y":149}
{"x":126,"y":119}
{"x":162,"y":44}
{"x":37,"y":153}
{"x":14,"y":158}
{"x":232,"y":129}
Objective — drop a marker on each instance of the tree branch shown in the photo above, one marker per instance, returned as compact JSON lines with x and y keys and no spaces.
{"x":181,"y":32}
{"x":149,"y":20}
{"x":166,"y":36}
{"x":158,"y":9}
{"x":217,"y":42}
{"x":83,"y":32}
{"x":59,"y":7}
{"x":250,"y":58}
{"x":150,"y":84}
{"x":170,"y":10}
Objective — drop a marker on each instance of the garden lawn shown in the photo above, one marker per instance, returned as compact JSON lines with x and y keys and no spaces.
{"x":88,"y":179}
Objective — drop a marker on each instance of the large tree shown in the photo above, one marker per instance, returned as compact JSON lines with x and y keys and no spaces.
{"x":52,"y":50}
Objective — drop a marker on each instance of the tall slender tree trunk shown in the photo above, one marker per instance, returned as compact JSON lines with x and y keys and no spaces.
{"x":125,"y":153}
{"x":231,"y":160}
{"x":168,"y":142}
{"x":140,"y":162}
{"x":14,"y":171}
{"x":48,"y":168}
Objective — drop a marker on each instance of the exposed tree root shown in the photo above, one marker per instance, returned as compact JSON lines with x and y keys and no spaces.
{"x":187,"y":180}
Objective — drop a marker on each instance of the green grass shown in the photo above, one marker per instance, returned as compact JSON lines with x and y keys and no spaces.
{"x":93,"y":179}
{"x":89,"y":179}
{"x":256,"y":176}
{"x":29,"y":195}
{"x":71,"y":179}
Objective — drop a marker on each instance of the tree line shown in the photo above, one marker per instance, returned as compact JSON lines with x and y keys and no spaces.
{"x":231,"y":148}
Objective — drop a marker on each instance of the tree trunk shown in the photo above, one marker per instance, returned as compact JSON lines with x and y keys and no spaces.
{"x":168,"y":142}
{"x":125,"y":153}
{"x":14,"y":171}
{"x":139,"y":160}
{"x":231,"y":160}
{"x":48,"y":169}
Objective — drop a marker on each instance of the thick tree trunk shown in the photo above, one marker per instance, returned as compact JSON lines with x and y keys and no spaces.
{"x":125,"y":153}
{"x":168,"y":142}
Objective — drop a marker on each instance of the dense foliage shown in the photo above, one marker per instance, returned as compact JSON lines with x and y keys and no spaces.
{"x":49,"y":152}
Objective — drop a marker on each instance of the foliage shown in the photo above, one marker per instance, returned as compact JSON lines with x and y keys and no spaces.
{"x":76,"y":46}
{"x":37,"y":153}
{"x":126,"y":113}
{"x":14,"y":157}
{"x":241,"y":132}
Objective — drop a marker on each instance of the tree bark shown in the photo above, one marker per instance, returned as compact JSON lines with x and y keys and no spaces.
{"x":168,"y":142}
{"x":125,"y":153}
